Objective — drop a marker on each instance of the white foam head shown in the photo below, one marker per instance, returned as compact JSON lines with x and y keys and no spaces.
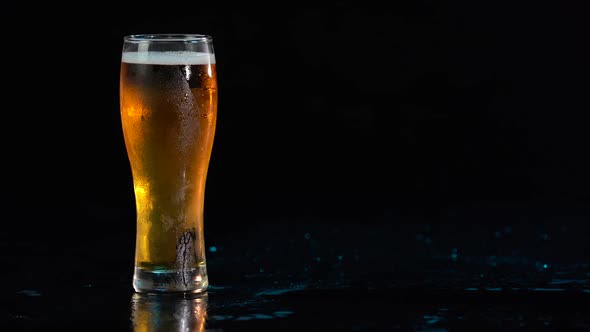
{"x":169,"y":58}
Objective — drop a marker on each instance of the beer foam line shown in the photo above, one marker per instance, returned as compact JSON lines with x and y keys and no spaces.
{"x":169,"y":58}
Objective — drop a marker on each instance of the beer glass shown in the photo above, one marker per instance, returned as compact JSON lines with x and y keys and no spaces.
{"x":168,"y":105}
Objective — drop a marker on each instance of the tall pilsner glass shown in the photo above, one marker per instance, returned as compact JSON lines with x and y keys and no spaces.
{"x":168,"y":104}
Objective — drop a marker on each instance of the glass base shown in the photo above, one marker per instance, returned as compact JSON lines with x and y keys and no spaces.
{"x":170,"y":281}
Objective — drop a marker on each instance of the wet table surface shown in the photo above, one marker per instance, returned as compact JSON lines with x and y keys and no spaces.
{"x":311,"y":276}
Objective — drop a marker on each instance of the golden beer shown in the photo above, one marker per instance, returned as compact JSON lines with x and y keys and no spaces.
{"x":168,"y":104}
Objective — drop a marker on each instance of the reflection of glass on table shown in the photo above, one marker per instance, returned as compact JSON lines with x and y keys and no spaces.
{"x":168,"y":313}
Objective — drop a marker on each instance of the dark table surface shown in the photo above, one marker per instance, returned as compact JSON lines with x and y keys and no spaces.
{"x":319,"y":276}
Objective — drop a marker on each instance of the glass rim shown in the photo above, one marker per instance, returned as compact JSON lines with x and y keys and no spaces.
{"x":167,"y":38}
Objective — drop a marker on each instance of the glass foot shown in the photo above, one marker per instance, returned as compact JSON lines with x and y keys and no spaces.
{"x":171,"y":281}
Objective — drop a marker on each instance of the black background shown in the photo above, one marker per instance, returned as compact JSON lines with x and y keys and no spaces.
{"x":422,"y":112}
